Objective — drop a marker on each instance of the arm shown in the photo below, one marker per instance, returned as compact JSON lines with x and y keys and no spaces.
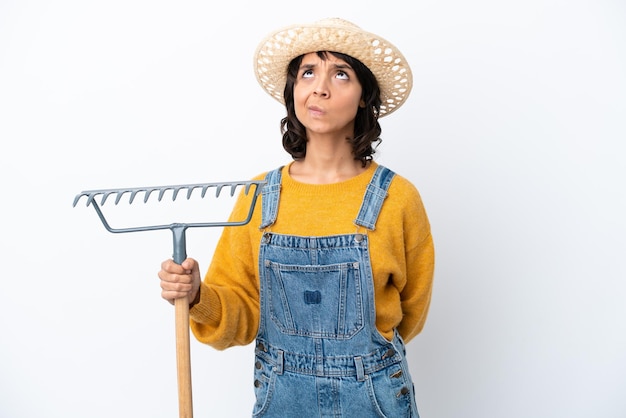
{"x":416,"y":295}
{"x":413,"y":246}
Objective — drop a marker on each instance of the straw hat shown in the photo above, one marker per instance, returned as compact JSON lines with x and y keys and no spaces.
{"x":391,"y":69}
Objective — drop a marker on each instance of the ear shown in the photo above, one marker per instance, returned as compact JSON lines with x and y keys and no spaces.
{"x":362,"y":103}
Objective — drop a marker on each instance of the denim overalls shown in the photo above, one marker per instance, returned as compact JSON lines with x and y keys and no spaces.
{"x":318,"y":352}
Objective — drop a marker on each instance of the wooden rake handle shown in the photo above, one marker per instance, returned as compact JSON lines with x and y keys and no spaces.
{"x":183,"y":358}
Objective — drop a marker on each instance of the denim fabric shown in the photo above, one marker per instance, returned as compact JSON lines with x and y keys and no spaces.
{"x":374,"y":197}
{"x":318,"y":352}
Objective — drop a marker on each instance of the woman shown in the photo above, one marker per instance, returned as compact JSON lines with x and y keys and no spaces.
{"x":333,"y":275}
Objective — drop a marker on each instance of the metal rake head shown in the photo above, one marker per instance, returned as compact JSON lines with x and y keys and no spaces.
{"x":204,"y":187}
{"x":178,"y":229}
{"x":97,"y":198}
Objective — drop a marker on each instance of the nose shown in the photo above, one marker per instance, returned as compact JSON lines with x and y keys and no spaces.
{"x":321,"y":87}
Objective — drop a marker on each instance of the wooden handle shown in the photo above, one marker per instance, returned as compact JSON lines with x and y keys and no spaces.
{"x":183,"y":358}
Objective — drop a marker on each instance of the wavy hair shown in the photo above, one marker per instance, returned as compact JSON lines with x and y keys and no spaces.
{"x":366,"y":127}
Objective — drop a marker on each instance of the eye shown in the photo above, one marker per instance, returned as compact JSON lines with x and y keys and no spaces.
{"x":343,"y":75}
{"x":307,"y":74}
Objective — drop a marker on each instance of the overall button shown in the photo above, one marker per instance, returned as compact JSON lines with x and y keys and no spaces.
{"x":258,"y":365}
{"x":389,"y":353}
{"x":358,"y":238}
{"x":403,"y":391}
{"x":257,"y":384}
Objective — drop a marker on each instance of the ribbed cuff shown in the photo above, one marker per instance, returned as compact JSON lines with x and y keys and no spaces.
{"x":208,"y":308}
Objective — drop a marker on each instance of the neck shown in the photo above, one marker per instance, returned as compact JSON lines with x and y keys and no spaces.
{"x":325,"y":169}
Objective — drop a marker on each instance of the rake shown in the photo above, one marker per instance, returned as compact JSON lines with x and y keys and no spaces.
{"x":183,"y":359}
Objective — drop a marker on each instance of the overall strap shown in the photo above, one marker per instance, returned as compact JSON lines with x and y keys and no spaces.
{"x":374,"y":196}
{"x":270,"y":195}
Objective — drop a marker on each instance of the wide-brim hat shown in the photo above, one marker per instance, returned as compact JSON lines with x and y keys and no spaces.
{"x":386,"y":62}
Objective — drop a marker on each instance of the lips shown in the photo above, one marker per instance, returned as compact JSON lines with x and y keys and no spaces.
{"x":314,"y":110}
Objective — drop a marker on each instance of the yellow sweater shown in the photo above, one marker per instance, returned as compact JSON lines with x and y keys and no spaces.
{"x":401,"y":250}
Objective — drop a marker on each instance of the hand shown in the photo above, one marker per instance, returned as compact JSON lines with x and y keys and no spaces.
{"x":179,"y":280}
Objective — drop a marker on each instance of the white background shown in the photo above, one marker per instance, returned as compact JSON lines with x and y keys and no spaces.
{"x":514,"y":134}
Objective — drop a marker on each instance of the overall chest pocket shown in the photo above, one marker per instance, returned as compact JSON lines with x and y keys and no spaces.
{"x":316,"y":301}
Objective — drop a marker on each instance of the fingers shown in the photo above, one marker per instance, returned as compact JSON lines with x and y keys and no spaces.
{"x":171,"y":267}
{"x":189,"y":265}
{"x":179,"y":280}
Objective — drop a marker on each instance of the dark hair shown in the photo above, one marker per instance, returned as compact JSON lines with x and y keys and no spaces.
{"x":366,"y":127}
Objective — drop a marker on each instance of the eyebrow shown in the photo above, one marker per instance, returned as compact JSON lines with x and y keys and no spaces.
{"x":336,"y":66}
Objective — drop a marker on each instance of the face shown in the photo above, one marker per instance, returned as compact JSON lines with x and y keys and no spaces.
{"x":327,"y":95}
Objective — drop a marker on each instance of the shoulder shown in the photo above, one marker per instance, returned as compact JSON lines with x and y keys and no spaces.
{"x":402,"y":186}
{"x":404,"y":197}
{"x":263,"y":175}
{"x":404,"y":205}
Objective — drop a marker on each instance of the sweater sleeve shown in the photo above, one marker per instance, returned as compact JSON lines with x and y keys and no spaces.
{"x":228,"y":311}
{"x":415,"y":294}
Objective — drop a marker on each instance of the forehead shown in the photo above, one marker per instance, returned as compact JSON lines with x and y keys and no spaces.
{"x":329,"y":57}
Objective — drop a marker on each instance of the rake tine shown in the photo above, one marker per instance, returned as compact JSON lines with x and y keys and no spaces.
{"x":104,"y":195}
{"x":162,"y":192}
{"x":118,"y":197}
{"x":175,"y":194}
{"x":134,"y":193}
{"x":91,"y":198}
{"x":191,"y":189}
{"x":148,"y":193}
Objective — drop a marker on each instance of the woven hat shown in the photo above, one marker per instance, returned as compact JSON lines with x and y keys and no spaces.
{"x":386,"y":62}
